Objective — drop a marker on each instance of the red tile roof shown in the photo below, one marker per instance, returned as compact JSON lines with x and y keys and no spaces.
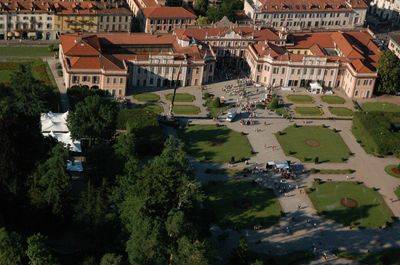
{"x":168,"y":12}
{"x":311,"y":5}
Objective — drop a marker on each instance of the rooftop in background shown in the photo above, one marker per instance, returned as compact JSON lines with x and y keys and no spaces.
{"x":311,"y":5}
{"x":168,"y":12}
{"x":61,"y":7}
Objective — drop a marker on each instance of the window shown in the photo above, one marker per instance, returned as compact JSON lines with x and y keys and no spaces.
{"x":75,"y":79}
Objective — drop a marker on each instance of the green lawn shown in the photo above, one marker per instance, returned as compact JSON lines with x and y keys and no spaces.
{"x":330,"y":99}
{"x":380,"y":106}
{"x":393,"y":170}
{"x":39,"y":69}
{"x":242,"y":204}
{"x":371,"y":210}
{"x":310,"y":142}
{"x":389,"y":256}
{"x":152,"y":107}
{"x":341,"y":112}
{"x":309,"y":111}
{"x":22,"y":51}
{"x":216,"y":144}
{"x":146,"y":97}
{"x":181,"y":97}
{"x":186,"y":110}
{"x":300,"y":99}
{"x":397,"y":192}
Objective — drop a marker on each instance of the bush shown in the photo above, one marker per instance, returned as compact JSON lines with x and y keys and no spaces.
{"x":377,"y":133}
{"x":59,"y":72}
{"x":274,"y":103}
{"x":206,"y":95}
{"x":216,"y":102}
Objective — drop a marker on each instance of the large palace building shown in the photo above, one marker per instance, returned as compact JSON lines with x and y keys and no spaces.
{"x":307,"y":14}
{"x":118,"y":61}
{"x":343,"y":60}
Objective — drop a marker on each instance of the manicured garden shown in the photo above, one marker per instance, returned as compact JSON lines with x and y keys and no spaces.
{"x":313,"y":144}
{"x":300,"y":99}
{"x":21,"y":51}
{"x":181,"y":97}
{"x":185,"y":109}
{"x":380,"y":106}
{"x":393,"y":170}
{"x":152,"y":107}
{"x":309,"y":111}
{"x":341,"y":112}
{"x":242,"y":204}
{"x":331,"y":99}
{"x":350,"y":203}
{"x":146,"y":97}
{"x":217,"y":144}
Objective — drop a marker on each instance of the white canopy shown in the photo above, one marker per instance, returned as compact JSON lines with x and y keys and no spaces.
{"x":73,"y":145}
{"x":315,"y":88}
{"x":54,"y":122}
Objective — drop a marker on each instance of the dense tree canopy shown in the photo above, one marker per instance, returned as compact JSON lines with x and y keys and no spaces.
{"x":389,"y":73}
{"x":11,"y":251}
{"x":38,"y":252}
{"x":50,"y":182}
{"x":93,"y":119}
{"x":78,"y":94}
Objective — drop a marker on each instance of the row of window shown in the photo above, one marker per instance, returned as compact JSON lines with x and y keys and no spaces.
{"x":114,"y":18}
{"x":310,"y":71}
{"x":26,"y":26}
{"x":302,"y":15}
{"x":95,"y":79}
{"x":28,"y":18}
{"x":170,"y":21}
{"x":163,"y":70}
{"x":309,"y":23}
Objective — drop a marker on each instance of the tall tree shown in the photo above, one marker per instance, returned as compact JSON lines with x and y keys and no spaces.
{"x":389,"y":73}
{"x":241,"y":255}
{"x":161,"y":207}
{"x":111,"y":259}
{"x":50,"y":183}
{"x":93,"y":119}
{"x":200,"y":6}
{"x":38,"y":253}
{"x":11,"y":251}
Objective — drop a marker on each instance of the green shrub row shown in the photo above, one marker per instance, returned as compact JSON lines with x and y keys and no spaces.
{"x":377,"y":133}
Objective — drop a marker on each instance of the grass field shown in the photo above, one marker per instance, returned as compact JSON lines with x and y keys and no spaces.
{"x":341,"y":112}
{"x":39,"y":69}
{"x":25,"y":51}
{"x":242,"y":204}
{"x":393,"y":170}
{"x":330,"y":99}
{"x":186,"y":110}
{"x":309,"y":111}
{"x":310,"y":142}
{"x":181,"y":97}
{"x":300,"y":99}
{"x":380,"y":106}
{"x":216,"y":144}
{"x":155,"y":108}
{"x":371,"y":210}
{"x":146,"y":97}
{"x":389,"y":256}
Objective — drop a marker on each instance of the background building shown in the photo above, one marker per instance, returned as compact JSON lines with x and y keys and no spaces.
{"x":304,"y":14}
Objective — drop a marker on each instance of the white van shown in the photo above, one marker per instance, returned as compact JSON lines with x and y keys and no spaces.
{"x":231,"y":115}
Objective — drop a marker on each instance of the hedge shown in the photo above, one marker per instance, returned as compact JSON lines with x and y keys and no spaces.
{"x":377,"y":132}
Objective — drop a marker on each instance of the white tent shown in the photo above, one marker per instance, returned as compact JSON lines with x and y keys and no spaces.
{"x":315,"y":88}
{"x":73,"y":145}
{"x":54,"y":122}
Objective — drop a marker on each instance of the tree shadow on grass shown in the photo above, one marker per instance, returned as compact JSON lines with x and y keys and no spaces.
{"x":211,"y":138}
{"x":240,"y":204}
{"x":349,"y":216}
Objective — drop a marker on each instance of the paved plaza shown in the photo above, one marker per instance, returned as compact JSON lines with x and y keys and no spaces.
{"x":309,"y":231}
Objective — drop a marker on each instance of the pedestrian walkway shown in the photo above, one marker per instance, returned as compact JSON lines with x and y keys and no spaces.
{"x":64,"y":102}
